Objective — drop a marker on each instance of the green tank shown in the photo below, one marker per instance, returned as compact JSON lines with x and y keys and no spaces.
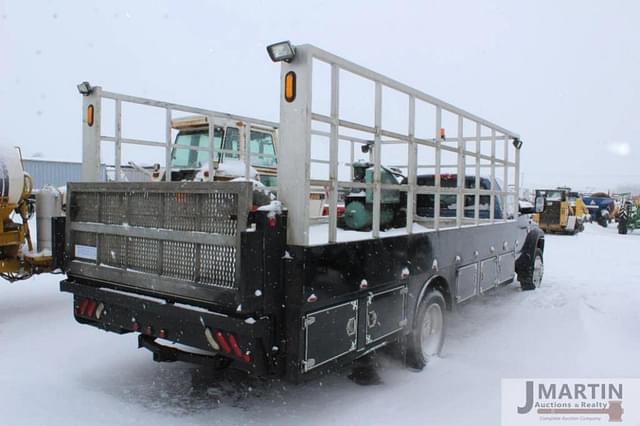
{"x":358,"y":216}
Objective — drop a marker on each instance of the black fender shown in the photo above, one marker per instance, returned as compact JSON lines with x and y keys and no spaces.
{"x":534,"y":240}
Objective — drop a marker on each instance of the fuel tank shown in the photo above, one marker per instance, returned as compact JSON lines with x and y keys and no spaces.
{"x":11,"y":174}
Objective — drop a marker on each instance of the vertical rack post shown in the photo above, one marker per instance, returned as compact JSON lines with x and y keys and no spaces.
{"x":295,"y":141}
{"x":436,"y":196}
{"x":492,"y":202}
{"x":167,"y":140}
{"x":118,"y":139}
{"x":377,"y":151}
{"x":461,"y":173}
{"x":333,"y":154}
{"x":245,"y":141}
{"x":476,"y":207}
{"x":505,"y":187}
{"x":412,"y":164}
{"x":212,"y":129}
{"x":517,"y":181}
{"x":91,"y":135}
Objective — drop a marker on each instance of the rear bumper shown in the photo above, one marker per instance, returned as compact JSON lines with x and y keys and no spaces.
{"x":185,"y":325}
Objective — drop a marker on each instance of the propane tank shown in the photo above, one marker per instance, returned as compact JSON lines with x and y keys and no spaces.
{"x":12,"y":176}
{"x":48,"y":205}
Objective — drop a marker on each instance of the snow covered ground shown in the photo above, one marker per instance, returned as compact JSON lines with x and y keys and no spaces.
{"x":583,"y":322}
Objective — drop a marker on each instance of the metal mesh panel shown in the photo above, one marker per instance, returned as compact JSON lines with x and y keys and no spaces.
{"x":144,"y":209}
{"x":181,"y":211}
{"x":217,"y":266}
{"x":179,"y":260}
{"x":112,"y":250}
{"x":86,"y":207}
{"x":143,"y":254}
{"x":188,"y":232}
{"x":84,"y":238}
{"x":219,"y":213}
{"x":112,"y":207}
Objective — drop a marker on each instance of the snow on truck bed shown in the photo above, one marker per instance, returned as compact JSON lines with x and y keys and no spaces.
{"x":583,"y":322}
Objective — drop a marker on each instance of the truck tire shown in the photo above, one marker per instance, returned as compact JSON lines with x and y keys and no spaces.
{"x":622,"y":225}
{"x":533,"y":278}
{"x":427,"y":335}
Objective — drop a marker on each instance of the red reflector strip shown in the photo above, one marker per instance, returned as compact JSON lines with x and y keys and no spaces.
{"x":91,"y":308}
{"x":235,"y":346}
{"x":222,"y":342}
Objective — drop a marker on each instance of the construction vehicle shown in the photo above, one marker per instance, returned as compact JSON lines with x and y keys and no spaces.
{"x":554,"y":212}
{"x":18,"y":259}
{"x":204,"y":273}
{"x":579,"y":208}
{"x":629,"y":217}
{"x":601,"y":207}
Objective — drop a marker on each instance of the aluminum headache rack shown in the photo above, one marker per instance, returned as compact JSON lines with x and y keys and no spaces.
{"x":177,"y":239}
{"x":355,"y":114}
{"x":94,"y":135}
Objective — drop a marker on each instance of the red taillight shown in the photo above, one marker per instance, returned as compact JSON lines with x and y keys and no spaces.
{"x":235,"y":346}
{"x":272,"y":221}
{"x":339,"y":210}
{"x":246,"y":357}
{"x":91,"y":308}
{"x":163,"y":333}
{"x":83,"y":307}
{"x":222,"y":342}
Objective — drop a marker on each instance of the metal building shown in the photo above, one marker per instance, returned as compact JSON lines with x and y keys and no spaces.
{"x":54,"y":173}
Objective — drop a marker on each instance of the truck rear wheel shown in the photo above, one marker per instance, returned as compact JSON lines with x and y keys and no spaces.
{"x":427,"y":335}
{"x":533,"y":279}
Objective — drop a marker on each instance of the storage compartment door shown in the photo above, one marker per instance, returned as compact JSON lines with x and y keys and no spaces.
{"x":385,"y":313}
{"x":488,"y":274}
{"x":467,"y":282}
{"x":507,"y":267}
{"x":329,"y":334}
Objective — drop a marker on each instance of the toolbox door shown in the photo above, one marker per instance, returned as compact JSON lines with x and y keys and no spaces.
{"x":385,"y":313}
{"x":329,"y":334}
{"x":488,"y":274}
{"x":507,"y":265}
{"x":467,"y":282}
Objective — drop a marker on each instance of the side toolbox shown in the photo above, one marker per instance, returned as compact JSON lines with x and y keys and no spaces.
{"x":329,"y":334}
{"x":386,"y":313}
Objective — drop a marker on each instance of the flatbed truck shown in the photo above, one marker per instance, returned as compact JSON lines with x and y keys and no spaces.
{"x":203,"y":273}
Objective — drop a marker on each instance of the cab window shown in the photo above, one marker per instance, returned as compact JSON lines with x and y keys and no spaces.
{"x":263,"y":154}
{"x":183,"y":158}
{"x":261,"y":147}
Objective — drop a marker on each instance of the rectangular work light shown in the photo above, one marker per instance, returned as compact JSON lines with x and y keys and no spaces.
{"x":283,"y":51}
{"x":517,"y":143}
{"x":85,"y":88}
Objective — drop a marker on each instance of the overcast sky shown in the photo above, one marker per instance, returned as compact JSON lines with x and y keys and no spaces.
{"x":565,"y":75}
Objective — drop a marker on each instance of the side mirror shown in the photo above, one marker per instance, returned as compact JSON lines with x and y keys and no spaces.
{"x":539,"y":208}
